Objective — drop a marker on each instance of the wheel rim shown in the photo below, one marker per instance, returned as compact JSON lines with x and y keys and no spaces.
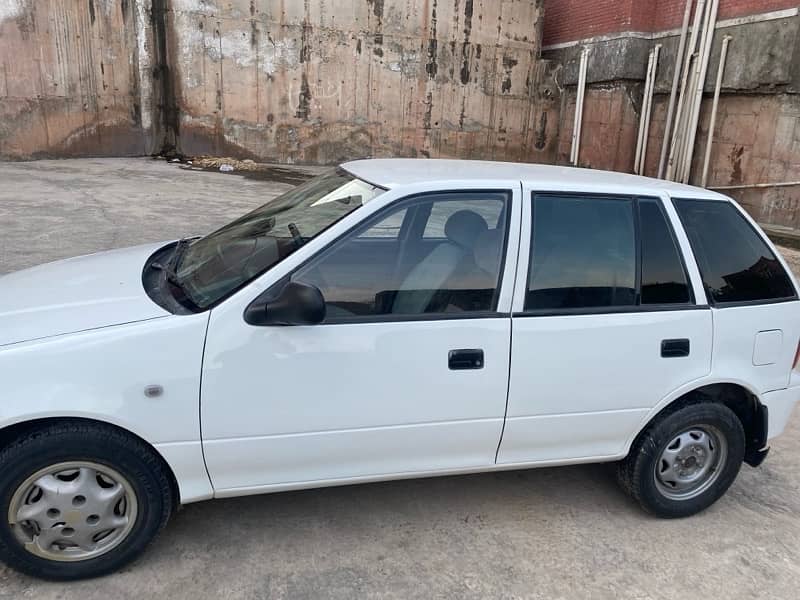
{"x":691,"y":462}
{"x":73,"y":511}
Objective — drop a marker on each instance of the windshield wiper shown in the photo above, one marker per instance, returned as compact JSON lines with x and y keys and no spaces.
{"x":170,"y":267}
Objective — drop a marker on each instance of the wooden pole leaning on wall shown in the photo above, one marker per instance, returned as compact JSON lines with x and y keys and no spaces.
{"x":678,"y":126}
{"x":578,"y":123}
{"x":705,"y":55}
{"x":643,"y":115}
{"x":723,"y":55}
{"x":647,"y":109}
{"x":676,"y":77}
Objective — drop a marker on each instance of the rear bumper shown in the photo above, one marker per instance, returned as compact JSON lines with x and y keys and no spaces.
{"x":780,"y":405}
{"x":757,"y":457}
{"x":773,"y":414}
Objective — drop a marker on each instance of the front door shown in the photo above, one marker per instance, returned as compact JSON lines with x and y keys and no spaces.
{"x":606,"y":325}
{"x":407,"y":374}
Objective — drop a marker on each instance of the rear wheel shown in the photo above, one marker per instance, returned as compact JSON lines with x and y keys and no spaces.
{"x":685,"y":460}
{"x":79,"y":500}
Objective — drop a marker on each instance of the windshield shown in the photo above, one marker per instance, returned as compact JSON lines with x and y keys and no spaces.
{"x":213,"y":267}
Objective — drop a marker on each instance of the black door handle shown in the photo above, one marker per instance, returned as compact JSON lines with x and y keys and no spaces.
{"x":461,"y":360}
{"x":674,"y":348}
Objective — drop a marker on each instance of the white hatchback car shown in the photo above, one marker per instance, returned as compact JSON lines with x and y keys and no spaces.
{"x":391,"y":319}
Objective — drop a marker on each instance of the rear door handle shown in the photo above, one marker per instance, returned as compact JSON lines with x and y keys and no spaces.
{"x":463,"y":359}
{"x":674,"y":348}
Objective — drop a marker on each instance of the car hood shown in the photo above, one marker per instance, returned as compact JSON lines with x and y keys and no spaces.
{"x":87,"y":292}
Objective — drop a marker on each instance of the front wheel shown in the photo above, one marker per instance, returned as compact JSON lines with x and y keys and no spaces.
{"x":684,"y":461}
{"x":79,"y":500}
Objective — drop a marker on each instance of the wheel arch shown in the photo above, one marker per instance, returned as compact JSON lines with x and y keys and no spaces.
{"x":737,"y":396}
{"x":14,"y":431}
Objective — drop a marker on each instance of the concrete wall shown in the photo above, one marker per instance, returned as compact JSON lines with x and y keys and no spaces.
{"x":312,"y":81}
{"x":69,"y":79}
{"x":324,"y":80}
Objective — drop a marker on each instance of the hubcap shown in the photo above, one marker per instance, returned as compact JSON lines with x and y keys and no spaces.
{"x":72,"y":511}
{"x":690,"y":463}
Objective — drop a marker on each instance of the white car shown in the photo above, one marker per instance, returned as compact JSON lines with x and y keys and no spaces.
{"x":392,"y":319}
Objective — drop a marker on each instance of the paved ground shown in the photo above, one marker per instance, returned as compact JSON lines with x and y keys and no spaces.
{"x":547,"y":533}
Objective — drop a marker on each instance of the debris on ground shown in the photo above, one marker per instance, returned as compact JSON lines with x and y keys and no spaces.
{"x":248,"y":168}
{"x":226,"y":164}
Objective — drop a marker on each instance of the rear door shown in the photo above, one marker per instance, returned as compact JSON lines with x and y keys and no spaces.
{"x":606,"y":323}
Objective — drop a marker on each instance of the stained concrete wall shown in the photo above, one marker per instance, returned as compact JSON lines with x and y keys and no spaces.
{"x":69,"y":80}
{"x":324,"y":80}
{"x":313,"y":81}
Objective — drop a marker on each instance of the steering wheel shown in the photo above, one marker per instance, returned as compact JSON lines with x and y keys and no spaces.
{"x":296,"y":237}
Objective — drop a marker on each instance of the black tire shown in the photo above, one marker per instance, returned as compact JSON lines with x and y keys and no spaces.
{"x":637,"y":472}
{"x":103,"y":445}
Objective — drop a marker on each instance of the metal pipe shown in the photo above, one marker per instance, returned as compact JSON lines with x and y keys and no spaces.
{"x":708,"y":40}
{"x":690,"y":51}
{"x":656,"y":53}
{"x":723,"y":55}
{"x":578,"y":124}
{"x":676,"y":76}
{"x":747,"y":186}
{"x":643,"y":116}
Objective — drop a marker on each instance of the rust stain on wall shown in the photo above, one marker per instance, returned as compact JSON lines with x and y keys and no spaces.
{"x":736,"y":164}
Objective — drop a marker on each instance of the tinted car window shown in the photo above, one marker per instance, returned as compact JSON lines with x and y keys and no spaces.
{"x":388,"y":229}
{"x":663,"y":276}
{"x":371,"y":273}
{"x":441,"y":211}
{"x":735,"y":263}
{"x":583,"y":253}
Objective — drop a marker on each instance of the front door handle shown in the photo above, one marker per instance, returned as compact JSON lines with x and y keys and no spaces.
{"x":674,"y":348}
{"x":463,"y":359}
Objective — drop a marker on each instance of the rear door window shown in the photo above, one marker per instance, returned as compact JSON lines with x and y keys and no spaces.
{"x":583,"y":253}
{"x":735,"y":263}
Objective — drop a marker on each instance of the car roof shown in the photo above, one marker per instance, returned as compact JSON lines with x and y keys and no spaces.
{"x":395,"y":172}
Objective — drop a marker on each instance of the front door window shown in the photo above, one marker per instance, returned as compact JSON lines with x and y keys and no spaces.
{"x":437,"y":254}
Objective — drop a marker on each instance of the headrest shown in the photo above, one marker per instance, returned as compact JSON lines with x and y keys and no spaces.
{"x":464,"y":227}
{"x":488,"y":250}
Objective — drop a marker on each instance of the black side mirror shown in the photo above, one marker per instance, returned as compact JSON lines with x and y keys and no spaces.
{"x":295,"y":304}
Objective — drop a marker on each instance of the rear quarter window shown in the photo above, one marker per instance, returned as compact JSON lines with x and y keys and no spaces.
{"x":735,"y":263}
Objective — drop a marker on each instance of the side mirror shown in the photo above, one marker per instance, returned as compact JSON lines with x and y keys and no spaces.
{"x":295,"y":304}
